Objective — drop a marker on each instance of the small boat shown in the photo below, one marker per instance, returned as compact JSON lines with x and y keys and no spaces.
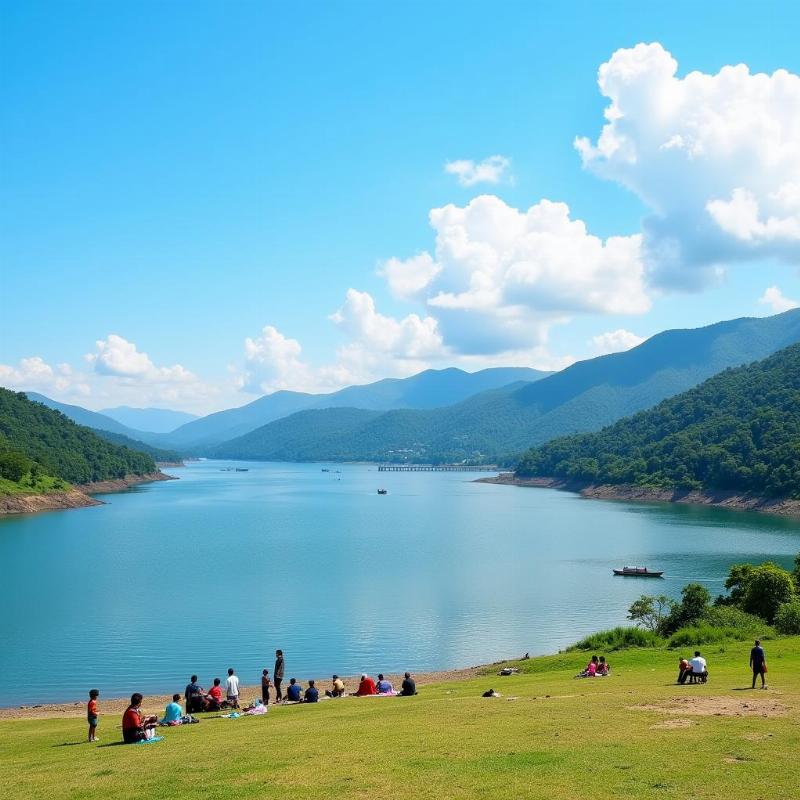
{"x":325,"y":469}
{"x":639,"y":572}
{"x":242,"y":469}
{"x":383,"y":491}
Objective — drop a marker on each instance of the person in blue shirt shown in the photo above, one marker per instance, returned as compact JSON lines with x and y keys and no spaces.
{"x":294,"y":691}
{"x":312,"y":693}
{"x":173,"y":712}
{"x":758,"y":663}
{"x":383,"y":686}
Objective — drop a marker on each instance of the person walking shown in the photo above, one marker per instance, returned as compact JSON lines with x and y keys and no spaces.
{"x":758,"y":663}
{"x":277,"y":675}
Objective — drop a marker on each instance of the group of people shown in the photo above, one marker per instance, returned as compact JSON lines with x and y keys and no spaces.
{"x":138,"y":727}
{"x":695,"y":670}
{"x":596,"y":668}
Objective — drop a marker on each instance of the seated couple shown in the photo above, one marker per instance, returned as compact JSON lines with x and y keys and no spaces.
{"x":695,"y":670}
{"x":136,"y":727}
{"x":197,"y":699}
{"x":596,"y":668}
{"x":295,"y":693}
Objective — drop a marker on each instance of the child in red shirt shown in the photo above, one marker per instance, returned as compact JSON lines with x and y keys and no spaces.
{"x":92,"y":714}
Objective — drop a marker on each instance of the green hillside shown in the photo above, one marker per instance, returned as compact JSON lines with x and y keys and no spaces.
{"x":38,"y":439}
{"x":738,"y":431}
{"x":156,"y":453}
{"x":494,"y":425}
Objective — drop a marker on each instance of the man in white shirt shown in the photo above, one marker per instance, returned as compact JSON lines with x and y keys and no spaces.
{"x":699,"y":670}
{"x":232,"y":689}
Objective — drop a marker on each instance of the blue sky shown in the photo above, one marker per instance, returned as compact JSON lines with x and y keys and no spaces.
{"x":176,"y":177}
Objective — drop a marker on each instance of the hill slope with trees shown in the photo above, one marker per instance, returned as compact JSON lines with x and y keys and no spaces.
{"x":35,"y":440}
{"x":738,"y":431}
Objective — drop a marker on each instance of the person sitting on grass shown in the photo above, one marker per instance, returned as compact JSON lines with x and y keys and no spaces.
{"x":684,"y":670}
{"x":337,"y":688}
{"x":383,"y":686}
{"x":366,"y":687}
{"x":409,"y":686}
{"x":215,"y":696}
{"x":699,"y":673}
{"x":311,"y":694}
{"x":136,"y":727}
{"x":294,"y":692}
{"x":173,"y":712}
{"x":195,"y":696}
{"x":602,"y":667}
{"x":591,"y":669}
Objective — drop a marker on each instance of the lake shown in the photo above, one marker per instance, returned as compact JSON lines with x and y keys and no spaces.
{"x":219,"y":568}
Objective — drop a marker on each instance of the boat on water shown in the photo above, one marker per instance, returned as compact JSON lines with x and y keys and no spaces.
{"x":383,"y":491}
{"x":242,"y":469}
{"x":639,"y":572}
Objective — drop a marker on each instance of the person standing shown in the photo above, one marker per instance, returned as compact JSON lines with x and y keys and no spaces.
{"x":232,"y":689}
{"x":277,"y":675}
{"x":758,"y":662}
{"x":265,"y":687}
{"x":92,"y":714}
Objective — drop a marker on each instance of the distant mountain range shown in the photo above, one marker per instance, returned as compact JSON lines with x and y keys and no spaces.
{"x":738,"y":431}
{"x":494,"y":424}
{"x":155,"y":420}
{"x":429,"y":389}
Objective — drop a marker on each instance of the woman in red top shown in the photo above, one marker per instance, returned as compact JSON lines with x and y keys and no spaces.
{"x":366,"y":686}
{"x":135,"y":726}
{"x":215,"y":696}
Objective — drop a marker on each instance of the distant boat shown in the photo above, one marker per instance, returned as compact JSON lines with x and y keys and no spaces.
{"x":383,"y":491}
{"x":638,"y":572}
{"x":325,"y":469}
{"x":242,"y":469}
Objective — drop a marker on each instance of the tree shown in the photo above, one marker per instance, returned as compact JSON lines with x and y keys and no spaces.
{"x":694,"y":603}
{"x":767,"y":588}
{"x":796,"y":573}
{"x":787,"y":618}
{"x":736,"y":583}
{"x":650,"y":612}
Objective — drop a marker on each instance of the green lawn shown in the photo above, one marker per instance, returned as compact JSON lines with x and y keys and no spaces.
{"x":561,"y":738}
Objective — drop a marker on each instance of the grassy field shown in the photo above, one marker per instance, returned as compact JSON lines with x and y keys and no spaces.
{"x":634,"y":734}
{"x":42,"y":485}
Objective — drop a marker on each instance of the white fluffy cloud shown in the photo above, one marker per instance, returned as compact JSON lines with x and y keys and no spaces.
{"x":34,"y":373}
{"x":491,"y":170}
{"x":115,"y":356}
{"x":614,"y":341}
{"x":774,"y":298}
{"x":716,"y":158}
{"x":378,"y":346}
{"x":407,"y":278}
{"x":503,"y":276}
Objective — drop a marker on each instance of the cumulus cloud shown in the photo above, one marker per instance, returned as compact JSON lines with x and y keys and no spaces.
{"x":614,"y":341}
{"x":491,"y":170}
{"x":501,"y":277}
{"x":407,"y":278}
{"x":34,"y":373}
{"x":774,"y":298}
{"x":715,"y":157}
{"x":378,"y":346}
{"x":117,"y":357}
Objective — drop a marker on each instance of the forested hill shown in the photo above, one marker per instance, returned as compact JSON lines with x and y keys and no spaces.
{"x":739,"y":430}
{"x":33,"y":433}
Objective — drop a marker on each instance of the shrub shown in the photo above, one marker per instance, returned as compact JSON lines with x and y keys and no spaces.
{"x":694,"y":603}
{"x":787,"y":618}
{"x":618,"y":639}
{"x":767,"y":588}
{"x":732,"y":617}
{"x":708,"y":634}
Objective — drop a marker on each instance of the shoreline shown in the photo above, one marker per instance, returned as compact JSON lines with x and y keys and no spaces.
{"x":156,"y":702}
{"x":80,"y":496}
{"x":646,"y":494}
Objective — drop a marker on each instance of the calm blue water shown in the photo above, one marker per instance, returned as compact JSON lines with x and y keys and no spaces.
{"x":220,"y":568}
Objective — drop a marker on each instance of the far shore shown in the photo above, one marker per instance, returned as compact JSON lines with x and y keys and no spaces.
{"x":646,"y":494}
{"x":155,"y":703}
{"x":76,"y":496}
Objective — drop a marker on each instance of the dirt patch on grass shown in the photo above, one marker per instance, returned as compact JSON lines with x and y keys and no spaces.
{"x":716,"y":706}
{"x":757,"y":737}
{"x":672,"y":724}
